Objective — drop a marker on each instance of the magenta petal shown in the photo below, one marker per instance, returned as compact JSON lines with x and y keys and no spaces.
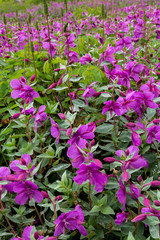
{"x":58,"y":229}
{"x":15,"y":94}
{"x":37,"y":196}
{"x":15,"y":84}
{"x":27,"y":232}
{"x":21,"y":198}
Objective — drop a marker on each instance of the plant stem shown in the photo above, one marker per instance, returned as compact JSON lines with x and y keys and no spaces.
{"x":39,"y":216}
{"x":7,"y":218}
{"x":89,"y":195}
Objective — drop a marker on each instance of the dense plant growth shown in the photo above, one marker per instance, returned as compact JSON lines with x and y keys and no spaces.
{"x":79,"y":121}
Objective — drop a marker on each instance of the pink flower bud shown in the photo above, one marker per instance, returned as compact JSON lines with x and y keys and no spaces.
{"x":36,"y":235}
{"x":45,"y":194}
{"x":62,"y":116}
{"x":23,"y":161}
{"x":128,"y":118}
{"x":146,"y":202}
{"x":69,"y":131}
{"x":27,"y":60}
{"x":7,"y":56}
{"x":97,"y":94}
{"x":109,"y":160}
{"x":87,"y":145}
{"x":156,"y":203}
{"x":23,"y":79}
{"x":92,"y":143}
{"x":127,"y":152}
{"x":155,"y":183}
{"x":139,"y":218}
{"x":139,"y":81}
{"x":156,"y":121}
{"x":58,"y":198}
{"x":51,"y":238}
{"x":125,"y":176}
{"x":33,"y":77}
{"x":130,"y":124}
{"x":139,"y":178}
{"x":52,"y":86}
{"x":16,"y":115}
{"x":60,"y":80}
{"x":27,"y":101}
{"x":57,"y":69}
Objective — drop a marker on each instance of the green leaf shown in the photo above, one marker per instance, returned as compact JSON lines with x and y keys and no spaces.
{"x":130,"y":236}
{"x":154,"y":231}
{"x":95,"y":209}
{"x":104,"y":128}
{"x":107,"y":210}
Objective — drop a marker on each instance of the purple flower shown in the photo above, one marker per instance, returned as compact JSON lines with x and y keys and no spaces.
{"x":89,"y":92}
{"x":84,"y":131}
{"x":27,"y":190}
{"x":28,"y":93}
{"x":112,"y":107}
{"x":121,"y":194}
{"x":124,"y":42}
{"x":22,"y":90}
{"x":92,"y":173}
{"x":71,"y":220}
{"x":76,"y":155}
{"x":136,"y":140}
{"x":120,"y":218}
{"x":73,"y":57}
{"x":107,"y":55}
{"x":55,"y":132}
{"x":70,"y":41}
{"x":25,"y":160}
{"x":17,"y":85}
{"x":85,"y":58}
{"x":51,"y":47}
{"x":40,"y":116}
{"x":136,"y":161}
{"x":153,"y":133}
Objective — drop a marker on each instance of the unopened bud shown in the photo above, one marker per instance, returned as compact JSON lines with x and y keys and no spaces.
{"x":139,"y":218}
{"x":139,"y":179}
{"x":92,"y":143}
{"x":97,"y":94}
{"x":87,"y":145}
{"x":109,"y":160}
{"x":60,"y":80}
{"x":16,"y":115}
{"x":155,"y":183}
{"x":23,"y":79}
{"x":58,"y":198}
{"x":57,"y":69}
{"x":62,"y":116}
{"x":130,"y":124}
{"x":23,"y":161}
{"x":7,"y":56}
{"x":156,"y":203}
{"x":52,"y":86}
{"x":45,"y":194}
{"x":127,"y":152}
{"x":33,"y":77}
{"x":69,"y":131}
{"x":36,"y":235}
{"x":156,"y":121}
{"x":139,"y":81}
{"x":27,"y":60}
{"x":27,"y":101}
